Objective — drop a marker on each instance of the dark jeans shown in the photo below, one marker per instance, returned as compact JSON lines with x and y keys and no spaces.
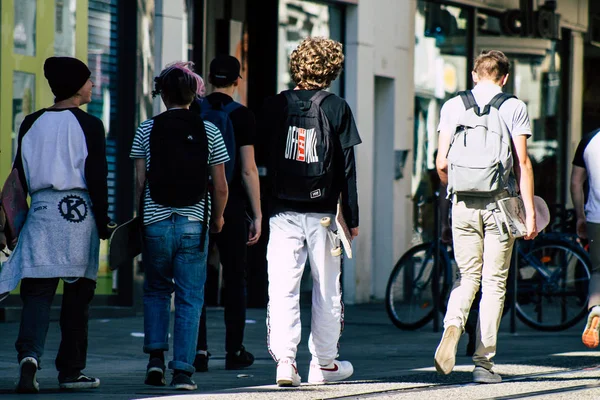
{"x":37,"y":295}
{"x":231,"y":243}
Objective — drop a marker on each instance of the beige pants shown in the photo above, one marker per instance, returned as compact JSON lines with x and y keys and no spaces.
{"x":593,"y":231}
{"x":484,"y":260}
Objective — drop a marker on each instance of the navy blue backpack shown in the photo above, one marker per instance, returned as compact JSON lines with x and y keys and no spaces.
{"x":218,"y":114}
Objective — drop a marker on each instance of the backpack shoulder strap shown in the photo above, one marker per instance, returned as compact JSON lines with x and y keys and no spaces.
{"x":499,"y":99}
{"x":231,"y":107}
{"x":204,"y":105}
{"x":318,"y":97}
{"x":468,"y":99}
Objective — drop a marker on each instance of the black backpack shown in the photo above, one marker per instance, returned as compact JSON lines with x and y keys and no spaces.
{"x":304,"y":151}
{"x":178,"y":174}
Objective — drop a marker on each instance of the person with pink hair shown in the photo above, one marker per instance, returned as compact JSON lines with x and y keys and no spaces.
{"x":175,"y":153}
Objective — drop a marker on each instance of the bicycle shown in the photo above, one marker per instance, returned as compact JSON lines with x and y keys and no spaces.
{"x":552,"y":283}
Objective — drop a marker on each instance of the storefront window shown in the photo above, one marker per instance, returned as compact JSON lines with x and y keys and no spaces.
{"x":535,"y":78}
{"x":102,"y":61}
{"x":64,"y":28}
{"x":441,"y":35}
{"x":536,"y":81}
{"x":24,"y":30}
{"x":23,"y":103}
{"x":298,"y":20}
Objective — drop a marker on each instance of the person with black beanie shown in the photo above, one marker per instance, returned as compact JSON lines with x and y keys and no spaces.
{"x":61,"y":164}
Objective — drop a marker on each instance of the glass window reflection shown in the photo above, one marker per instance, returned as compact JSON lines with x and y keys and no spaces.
{"x":536,"y":81}
{"x":64,"y":28}
{"x":441,"y":35}
{"x":23,"y":103}
{"x":298,"y":20}
{"x":24,"y":30}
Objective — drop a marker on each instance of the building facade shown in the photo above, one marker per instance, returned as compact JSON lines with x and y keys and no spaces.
{"x":404,"y":58}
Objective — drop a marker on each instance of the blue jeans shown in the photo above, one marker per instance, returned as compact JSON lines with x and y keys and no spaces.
{"x":174,"y":262}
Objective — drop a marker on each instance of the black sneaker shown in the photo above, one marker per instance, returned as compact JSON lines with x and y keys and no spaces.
{"x":182,"y":381}
{"x":201,"y":362}
{"x":79,"y":382}
{"x":238,"y":360}
{"x":155,"y":373}
{"x":27,"y":371}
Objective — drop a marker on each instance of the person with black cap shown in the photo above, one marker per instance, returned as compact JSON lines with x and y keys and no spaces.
{"x":61,"y":163}
{"x":239,"y":134}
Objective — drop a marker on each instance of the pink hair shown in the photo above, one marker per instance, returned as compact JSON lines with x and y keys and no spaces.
{"x":187,"y":68}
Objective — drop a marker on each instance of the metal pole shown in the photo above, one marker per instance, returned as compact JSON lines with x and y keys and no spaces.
{"x":435,"y":285}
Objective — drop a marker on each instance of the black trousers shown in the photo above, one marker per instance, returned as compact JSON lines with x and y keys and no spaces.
{"x":231,"y":243}
{"x":37,"y":295}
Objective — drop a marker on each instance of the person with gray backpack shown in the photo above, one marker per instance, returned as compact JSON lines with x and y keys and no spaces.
{"x":482,"y":157}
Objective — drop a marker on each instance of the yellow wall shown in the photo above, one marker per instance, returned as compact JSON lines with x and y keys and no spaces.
{"x":10,"y":62}
{"x":44,"y":48}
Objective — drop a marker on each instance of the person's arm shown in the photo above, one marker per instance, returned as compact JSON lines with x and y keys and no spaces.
{"x":349,"y":137}
{"x":96,"y":173}
{"x":252,"y":185}
{"x":350,"y":192}
{"x":140,"y":180}
{"x":441,"y":162}
{"x":220,"y":193}
{"x":449,"y":116}
{"x":524,"y":172}
{"x":578,"y":178}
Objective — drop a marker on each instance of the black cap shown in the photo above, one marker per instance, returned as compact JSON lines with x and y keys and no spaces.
{"x":66,"y":75}
{"x":224,"y":69}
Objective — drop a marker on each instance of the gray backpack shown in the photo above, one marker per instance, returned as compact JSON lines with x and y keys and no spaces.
{"x":480,"y":160}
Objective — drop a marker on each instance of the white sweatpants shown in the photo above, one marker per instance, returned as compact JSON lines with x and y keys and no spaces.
{"x":293,"y":237}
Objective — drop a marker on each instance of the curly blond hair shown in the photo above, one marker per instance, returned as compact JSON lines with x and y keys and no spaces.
{"x":316,"y":62}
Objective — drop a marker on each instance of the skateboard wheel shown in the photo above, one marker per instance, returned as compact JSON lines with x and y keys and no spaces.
{"x":336,"y":252}
{"x":325,"y":222}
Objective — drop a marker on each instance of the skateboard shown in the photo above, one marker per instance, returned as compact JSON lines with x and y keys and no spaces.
{"x":125,"y":243}
{"x":341,"y":233}
{"x":14,"y":203}
{"x":512,"y":216}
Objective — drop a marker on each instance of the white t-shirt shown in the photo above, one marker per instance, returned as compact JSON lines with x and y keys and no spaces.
{"x":513,"y":112}
{"x":587,"y":156}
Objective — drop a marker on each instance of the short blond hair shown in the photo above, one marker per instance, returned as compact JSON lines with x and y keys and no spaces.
{"x":316,"y":62}
{"x":492,"y":64}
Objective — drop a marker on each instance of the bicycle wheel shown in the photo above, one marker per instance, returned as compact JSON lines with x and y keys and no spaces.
{"x":552,"y":284}
{"x":409,"y":295}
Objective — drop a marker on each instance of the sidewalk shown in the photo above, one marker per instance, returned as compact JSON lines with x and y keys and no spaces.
{"x":384,"y":358}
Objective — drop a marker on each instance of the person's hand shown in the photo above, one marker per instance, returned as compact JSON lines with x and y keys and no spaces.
{"x":354,"y":232}
{"x":531,"y":228}
{"x":446,"y":235}
{"x":254,"y":231}
{"x":581,"y":228}
{"x":216,"y":224}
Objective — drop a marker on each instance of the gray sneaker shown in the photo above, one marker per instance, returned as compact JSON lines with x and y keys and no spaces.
{"x":445,"y":355}
{"x":482,"y":375}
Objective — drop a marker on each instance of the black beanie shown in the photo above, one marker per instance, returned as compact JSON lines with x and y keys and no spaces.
{"x":66,"y":75}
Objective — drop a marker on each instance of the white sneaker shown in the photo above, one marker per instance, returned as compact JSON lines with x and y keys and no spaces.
{"x":27,"y":382}
{"x":591,"y":333}
{"x":336,"y":371}
{"x":287,"y":373}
